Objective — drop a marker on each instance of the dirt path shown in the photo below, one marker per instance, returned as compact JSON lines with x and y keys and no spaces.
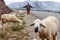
{"x":30,"y":29}
{"x":31,"y":18}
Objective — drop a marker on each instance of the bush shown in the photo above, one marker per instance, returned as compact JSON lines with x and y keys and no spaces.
{"x":15,"y":26}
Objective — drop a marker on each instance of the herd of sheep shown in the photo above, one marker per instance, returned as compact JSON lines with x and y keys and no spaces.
{"x":47,"y":28}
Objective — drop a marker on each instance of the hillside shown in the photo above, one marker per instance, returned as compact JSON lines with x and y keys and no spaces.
{"x":37,"y":5}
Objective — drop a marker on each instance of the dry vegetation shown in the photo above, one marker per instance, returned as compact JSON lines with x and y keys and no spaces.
{"x":14,"y":31}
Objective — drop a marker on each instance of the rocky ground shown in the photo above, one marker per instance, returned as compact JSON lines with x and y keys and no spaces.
{"x":28,"y":32}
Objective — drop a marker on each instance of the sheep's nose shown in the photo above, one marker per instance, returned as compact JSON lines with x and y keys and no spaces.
{"x":36,"y":29}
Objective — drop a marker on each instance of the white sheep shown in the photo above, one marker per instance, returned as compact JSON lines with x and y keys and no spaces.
{"x":47,"y":28}
{"x":13,"y":13}
{"x":10,"y":18}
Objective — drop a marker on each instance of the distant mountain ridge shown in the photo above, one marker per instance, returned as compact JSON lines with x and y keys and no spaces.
{"x":37,"y":5}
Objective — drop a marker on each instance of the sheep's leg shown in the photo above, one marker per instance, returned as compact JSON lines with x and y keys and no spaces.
{"x":49,"y":38}
{"x":42,"y":38}
{"x":54,"y":37}
{"x":2,"y":21}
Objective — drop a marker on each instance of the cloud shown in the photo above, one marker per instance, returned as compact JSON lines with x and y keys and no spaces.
{"x":50,"y":0}
{"x":10,"y":1}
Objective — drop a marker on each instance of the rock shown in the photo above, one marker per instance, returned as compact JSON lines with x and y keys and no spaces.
{"x":3,"y":8}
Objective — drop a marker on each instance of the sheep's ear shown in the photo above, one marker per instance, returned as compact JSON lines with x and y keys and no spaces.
{"x":42,"y":25}
{"x":31,"y":24}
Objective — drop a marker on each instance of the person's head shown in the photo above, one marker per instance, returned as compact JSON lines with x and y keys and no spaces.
{"x":28,"y":3}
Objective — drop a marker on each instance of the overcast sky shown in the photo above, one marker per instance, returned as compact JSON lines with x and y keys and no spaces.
{"x":10,"y":1}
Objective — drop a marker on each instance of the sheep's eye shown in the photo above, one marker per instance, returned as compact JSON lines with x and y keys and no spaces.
{"x":42,"y":25}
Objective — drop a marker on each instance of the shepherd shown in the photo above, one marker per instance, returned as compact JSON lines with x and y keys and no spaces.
{"x":28,"y":6}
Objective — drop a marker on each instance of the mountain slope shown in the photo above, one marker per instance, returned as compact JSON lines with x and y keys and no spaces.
{"x":37,"y":5}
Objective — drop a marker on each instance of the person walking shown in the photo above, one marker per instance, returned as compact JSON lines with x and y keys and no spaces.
{"x":28,"y":6}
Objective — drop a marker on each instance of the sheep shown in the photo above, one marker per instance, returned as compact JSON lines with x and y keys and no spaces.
{"x":13,"y":13}
{"x":10,"y":18}
{"x":0,"y":24}
{"x":20,"y":13}
{"x":47,"y":28}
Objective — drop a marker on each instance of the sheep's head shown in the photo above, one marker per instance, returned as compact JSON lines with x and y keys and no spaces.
{"x":37,"y":24}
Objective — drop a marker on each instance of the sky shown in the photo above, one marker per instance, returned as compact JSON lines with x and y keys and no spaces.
{"x":10,"y":1}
